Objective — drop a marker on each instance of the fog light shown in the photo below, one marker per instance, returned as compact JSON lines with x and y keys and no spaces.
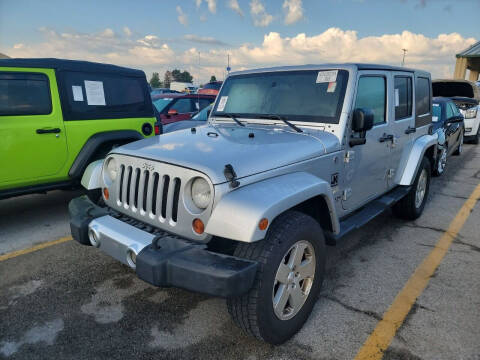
{"x":93,"y":237}
{"x":131,"y":258}
{"x":198,"y":226}
{"x":105,"y":193}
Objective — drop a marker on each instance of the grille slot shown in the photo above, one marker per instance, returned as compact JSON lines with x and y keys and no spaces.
{"x":148,"y":193}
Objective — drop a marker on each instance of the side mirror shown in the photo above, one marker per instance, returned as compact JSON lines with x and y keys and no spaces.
{"x":172,"y":112}
{"x":362,"y":120}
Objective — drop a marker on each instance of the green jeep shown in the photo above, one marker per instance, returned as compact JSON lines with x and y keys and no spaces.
{"x":58,"y":116}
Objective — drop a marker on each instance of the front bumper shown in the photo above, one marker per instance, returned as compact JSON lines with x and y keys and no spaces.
{"x":161,"y":259}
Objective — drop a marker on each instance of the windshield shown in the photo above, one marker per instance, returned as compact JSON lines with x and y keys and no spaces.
{"x":202,"y":115}
{"x":162,"y":103}
{"x":308,"y":96}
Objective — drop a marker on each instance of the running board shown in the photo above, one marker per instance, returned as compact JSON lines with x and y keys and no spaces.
{"x":370,"y":211}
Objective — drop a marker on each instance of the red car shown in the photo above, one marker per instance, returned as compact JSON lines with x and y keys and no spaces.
{"x":211,"y":88}
{"x":177,"y":107}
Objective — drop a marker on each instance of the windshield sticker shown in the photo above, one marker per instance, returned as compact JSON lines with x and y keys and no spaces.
{"x":397,"y":98}
{"x":197,"y":105}
{"x":436,"y":105}
{"x":327,"y":76}
{"x":77,"y":93}
{"x":95,"y":94}
{"x":434,"y":118}
{"x":331,"y":87}
{"x":222,"y":103}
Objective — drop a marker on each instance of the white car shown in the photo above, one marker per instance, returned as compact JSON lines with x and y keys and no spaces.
{"x":466,"y":95}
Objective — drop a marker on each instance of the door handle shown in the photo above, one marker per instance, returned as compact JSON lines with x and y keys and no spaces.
{"x":48,"y":131}
{"x":410,"y":130}
{"x":386,"y":137}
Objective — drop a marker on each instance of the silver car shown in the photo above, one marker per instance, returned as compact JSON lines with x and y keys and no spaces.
{"x":291,"y":160}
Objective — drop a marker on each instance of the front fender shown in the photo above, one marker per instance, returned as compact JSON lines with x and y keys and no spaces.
{"x":238,"y":213}
{"x":92,"y":177}
{"x":419,"y":148}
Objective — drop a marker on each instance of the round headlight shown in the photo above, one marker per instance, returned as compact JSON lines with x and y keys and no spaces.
{"x":201,"y":194}
{"x":111,"y":169}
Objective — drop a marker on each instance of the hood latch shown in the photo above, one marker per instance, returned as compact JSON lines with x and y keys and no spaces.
{"x":231,"y":176}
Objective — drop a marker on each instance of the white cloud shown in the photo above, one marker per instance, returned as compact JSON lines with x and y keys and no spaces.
{"x":293,"y":11}
{"x":127,"y":31}
{"x":259,"y":14}
{"x":150,"y":53}
{"x":182,"y":17}
{"x":212,"y":5}
{"x":233,"y":4}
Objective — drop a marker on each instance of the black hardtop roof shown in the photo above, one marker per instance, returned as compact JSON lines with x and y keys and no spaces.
{"x":70,"y":65}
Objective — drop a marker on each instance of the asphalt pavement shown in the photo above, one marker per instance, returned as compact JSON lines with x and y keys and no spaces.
{"x":69,"y":301}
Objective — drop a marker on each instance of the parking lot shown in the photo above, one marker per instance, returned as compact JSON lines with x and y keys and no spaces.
{"x":69,"y":301}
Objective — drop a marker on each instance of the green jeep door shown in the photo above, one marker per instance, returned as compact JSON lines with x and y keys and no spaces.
{"x":32,"y":135}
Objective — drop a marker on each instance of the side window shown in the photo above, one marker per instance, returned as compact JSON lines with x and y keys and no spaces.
{"x":182,"y":106}
{"x":456,"y":112}
{"x":422,"y":97}
{"x":371,"y":94}
{"x":24,"y":94}
{"x":450,"y":111}
{"x":403,"y":97}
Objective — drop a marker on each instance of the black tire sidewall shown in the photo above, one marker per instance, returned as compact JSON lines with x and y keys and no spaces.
{"x":272,"y":329}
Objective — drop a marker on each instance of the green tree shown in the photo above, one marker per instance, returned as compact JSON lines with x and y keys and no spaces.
{"x":182,"y":76}
{"x":155,"y":80}
{"x":213,"y":78}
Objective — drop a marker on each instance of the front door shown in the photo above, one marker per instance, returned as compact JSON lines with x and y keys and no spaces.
{"x":32,"y":136}
{"x":366,"y":169}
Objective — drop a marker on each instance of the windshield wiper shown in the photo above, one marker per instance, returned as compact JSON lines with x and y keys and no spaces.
{"x":231,"y":116}
{"x":274,"y":116}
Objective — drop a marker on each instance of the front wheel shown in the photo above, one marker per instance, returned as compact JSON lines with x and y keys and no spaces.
{"x":412,"y":205}
{"x":290,"y":273}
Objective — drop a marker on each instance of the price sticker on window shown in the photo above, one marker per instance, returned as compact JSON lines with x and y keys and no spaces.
{"x":222,"y":103}
{"x":329,"y":76}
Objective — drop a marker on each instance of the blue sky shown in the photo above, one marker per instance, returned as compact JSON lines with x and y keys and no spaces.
{"x":159,"y":34}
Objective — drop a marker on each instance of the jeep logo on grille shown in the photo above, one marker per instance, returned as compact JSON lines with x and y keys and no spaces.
{"x":148,"y":167}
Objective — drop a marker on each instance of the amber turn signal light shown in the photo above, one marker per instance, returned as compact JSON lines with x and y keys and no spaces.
{"x":105,"y":193}
{"x":198,"y":226}
{"x":263,"y":224}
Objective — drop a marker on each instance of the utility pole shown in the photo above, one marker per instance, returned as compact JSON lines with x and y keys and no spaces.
{"x":228,"y":63}
{"x":403,"y":60}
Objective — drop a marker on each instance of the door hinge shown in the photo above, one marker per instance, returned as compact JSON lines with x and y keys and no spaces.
{"x":390,"y":173}
{"x":346,"y":194}
{"x":349,"y":156}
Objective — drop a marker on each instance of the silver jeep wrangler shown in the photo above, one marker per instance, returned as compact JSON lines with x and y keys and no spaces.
{"x":291,"y":160}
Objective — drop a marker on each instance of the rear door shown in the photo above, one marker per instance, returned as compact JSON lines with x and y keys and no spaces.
{"x":403,"y":125}
{"x":32,"y":136}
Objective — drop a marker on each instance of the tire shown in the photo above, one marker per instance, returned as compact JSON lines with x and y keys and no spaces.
{"x":254,"y":312}
{"x":460,"y":145}
{"x":476,"y":138}
{"x":408,"y":208}
{"x":441,"y":161}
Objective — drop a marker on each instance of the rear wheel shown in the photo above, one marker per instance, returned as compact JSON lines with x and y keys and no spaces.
{"x":291,"y":267}
{"x":460,"y":145}
{"x":412,"y":205}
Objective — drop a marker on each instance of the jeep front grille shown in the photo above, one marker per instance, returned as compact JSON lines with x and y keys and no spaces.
{"x":148,"y":192}
{"x":153,"y":192}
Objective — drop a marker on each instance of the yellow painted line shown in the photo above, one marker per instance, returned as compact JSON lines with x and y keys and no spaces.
{"x":34,"y":248}
{"x":380,"y":339}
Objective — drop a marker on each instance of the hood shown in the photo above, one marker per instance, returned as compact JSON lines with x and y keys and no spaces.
{"x":210,"y":148}
{"x":455,"y":88}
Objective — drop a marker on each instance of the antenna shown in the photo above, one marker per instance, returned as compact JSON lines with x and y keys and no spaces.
{"x":403,"y":60}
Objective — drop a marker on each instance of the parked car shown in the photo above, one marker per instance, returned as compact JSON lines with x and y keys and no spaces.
{"x":57,"y":116}
{"x":160,"y":91}
{"x":197,"y":120}
{"x":466,"y":96}
{"x":179,"y":86}
{"x":244,"y":207}
{"x":173,"y":107}
{"x":191,"y":89}
{"x":212,"y":88}
{"x":449,"y":127}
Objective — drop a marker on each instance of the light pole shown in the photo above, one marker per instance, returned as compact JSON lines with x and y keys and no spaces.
{"x":403,"y":60}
